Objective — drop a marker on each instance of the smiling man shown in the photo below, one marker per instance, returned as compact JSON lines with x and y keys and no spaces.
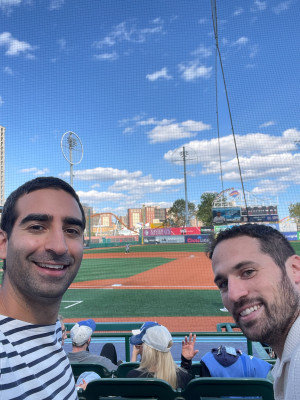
{"x":41,"y":243}
{"x":258,"y":274}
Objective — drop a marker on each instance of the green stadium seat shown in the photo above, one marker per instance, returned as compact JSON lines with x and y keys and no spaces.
{"x":79,"y":368}
{"x":240,"y":388}
{"x":133,"y":389}
{"x":124,"y":368}
{"x":195,"y":370}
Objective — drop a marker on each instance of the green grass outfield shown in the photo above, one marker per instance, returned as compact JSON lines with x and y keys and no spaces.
{"x":114,"y":268}
{"x":153,"y":248}
{"x":122,"y":303}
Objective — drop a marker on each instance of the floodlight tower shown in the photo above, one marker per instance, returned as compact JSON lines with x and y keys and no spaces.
{"x":72,"y":150}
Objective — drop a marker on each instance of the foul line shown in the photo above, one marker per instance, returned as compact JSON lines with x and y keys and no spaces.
{"x":141,"y":287}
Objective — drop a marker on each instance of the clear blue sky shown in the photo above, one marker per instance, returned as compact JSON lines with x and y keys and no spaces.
{"x":135,"y":79}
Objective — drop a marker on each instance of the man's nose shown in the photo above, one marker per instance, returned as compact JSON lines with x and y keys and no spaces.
{"x":56,"y":241}
{"x":237,"y":289}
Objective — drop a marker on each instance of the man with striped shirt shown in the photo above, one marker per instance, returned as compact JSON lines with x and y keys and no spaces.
{"x":41,"y":244}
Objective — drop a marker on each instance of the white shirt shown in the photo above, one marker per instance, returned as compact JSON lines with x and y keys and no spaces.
{"x":33,"y":364}
{"x":286,"y":371}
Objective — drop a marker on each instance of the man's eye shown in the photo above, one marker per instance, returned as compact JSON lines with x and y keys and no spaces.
{"x":248,"y":272}
{"x":223,"y":285}
{"x":36,"y":227}
{"x":73,"y":231}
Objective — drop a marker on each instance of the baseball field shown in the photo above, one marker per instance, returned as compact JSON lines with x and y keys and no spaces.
{"x":171,"y":284}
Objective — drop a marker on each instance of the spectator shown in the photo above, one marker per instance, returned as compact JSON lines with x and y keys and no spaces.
{"x":81,"y":334}
{"x":258,"y":274}
{"x":63,"y":329}
{"x":85,"y":378}
{"x":155,"y":343}
{"x":41,"y":243}
{"x":227,"y":362}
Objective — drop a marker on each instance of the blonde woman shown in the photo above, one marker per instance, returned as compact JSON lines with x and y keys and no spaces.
{"x":153,"y":342}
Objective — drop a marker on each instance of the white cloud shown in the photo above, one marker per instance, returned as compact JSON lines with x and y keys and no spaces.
{"x":129,"y":33}
{"x":163,"y":73}
{"x":35,"y":171}
{"x":15,"y":46}
{"x":241,"y":41}
{"x":7,"y":5}
{"x":167,"y":129}
{"x":253,"y":50}
{"x":145,"y":184}
{"x":103,"y":174}
{"x":281,"y":7}
{"x":153,"y":121}
{"x":96,"y":185}
{"x":259,"y":6}
{"x":202,"y":51}
{"x":93,"y":196}
{"x":194,"y":70}
{"x":266,"y":186}
{"x":175,"y":131}
{"x":238,"y":11}
{"x":267,"y":124}
{"x":62,"y":44}
{"x":261,"y":156}
{"x":8,"y":71}
{"x":1,"y":101}
{"x":56,"y":4}
{"x":106,"y":56}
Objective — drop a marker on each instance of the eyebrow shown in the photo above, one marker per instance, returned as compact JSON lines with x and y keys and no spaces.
{"x":48,"y":218}
{"x":236,"y":267}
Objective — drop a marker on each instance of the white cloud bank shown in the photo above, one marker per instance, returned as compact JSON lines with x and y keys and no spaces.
{"x":271,"y":159}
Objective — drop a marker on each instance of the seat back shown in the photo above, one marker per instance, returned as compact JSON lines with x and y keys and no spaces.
{"x":124,"y":368}
{"x":139,"y":388}
{"x":79,"y":368}
{"x":227,"y":387}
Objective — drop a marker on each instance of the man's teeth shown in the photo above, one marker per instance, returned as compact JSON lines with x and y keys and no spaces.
{"x":51,"y":266}
{"x":249,"y":310}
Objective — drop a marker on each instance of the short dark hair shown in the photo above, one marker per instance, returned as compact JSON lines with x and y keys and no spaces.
{"x":9,"y":213}
{"x":271,"y":241}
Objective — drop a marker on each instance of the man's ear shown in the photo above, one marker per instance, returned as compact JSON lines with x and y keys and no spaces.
{"x":3,"y":244}
{"x":293,"y":266}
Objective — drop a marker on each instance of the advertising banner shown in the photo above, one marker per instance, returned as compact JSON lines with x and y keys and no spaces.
{"x":229,"y":214}
{"x":157,"y":232}
{"x":206,"y":230}
{"x":259,"y":210}
{"x":188,"y":230}
{"x":149,"y":240}
{"x":260,"y":218}
{"x":197,"y":238}
{"x":219,"y":228}
{"x":169,"y":239}
{"x":290,"y":235}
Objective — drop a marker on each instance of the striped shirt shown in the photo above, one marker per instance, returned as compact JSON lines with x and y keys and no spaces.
{"x":33,"y":364}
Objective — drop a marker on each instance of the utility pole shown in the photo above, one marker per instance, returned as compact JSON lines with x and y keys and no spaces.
{"x":184,"y":154}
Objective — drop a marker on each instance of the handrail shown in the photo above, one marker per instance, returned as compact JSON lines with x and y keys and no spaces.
{"x":123,"y":329}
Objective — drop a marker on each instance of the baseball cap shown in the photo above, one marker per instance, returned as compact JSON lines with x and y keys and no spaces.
{"x":159,"y":338}
{"x":138,"y":334}
{"x":82,"y":331}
